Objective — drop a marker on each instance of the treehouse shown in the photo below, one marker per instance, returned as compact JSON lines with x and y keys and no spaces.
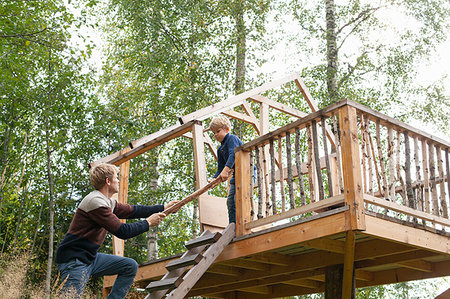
{"x":341,"y":198}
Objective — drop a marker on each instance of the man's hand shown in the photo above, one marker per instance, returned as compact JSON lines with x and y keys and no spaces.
{"x":171,"y":203}
{"x":155,"y":219}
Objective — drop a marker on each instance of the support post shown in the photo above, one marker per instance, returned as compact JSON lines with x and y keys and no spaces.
{"x":351,"y":167}
{"x":122,"y":197}
{"x":243,"y":206}
{"x":348,"y":287}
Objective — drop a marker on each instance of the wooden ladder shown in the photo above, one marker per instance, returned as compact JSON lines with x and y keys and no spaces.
{"x":200,"y":255}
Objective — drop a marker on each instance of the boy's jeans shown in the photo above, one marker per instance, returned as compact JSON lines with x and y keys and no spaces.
{"x":231,"y":204}
{"x":104,"y":264}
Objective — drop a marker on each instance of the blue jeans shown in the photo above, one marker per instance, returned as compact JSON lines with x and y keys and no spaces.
{"x":231,"y":203}
{"x":104,"y":264}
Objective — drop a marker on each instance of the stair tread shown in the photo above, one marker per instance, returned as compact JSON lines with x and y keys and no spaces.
{"x":164,"y":284}
{"x":183,"y":262}
{"x":202,"y":240}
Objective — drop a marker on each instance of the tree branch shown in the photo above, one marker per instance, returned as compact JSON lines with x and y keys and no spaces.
{"x":23,"y":34}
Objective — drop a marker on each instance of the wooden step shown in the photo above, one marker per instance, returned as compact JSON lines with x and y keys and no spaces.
{"x":164,"y":284}
{"x":184,"y":262}
{"x":203,"y":240}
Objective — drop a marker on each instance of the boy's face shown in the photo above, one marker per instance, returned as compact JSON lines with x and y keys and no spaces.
{"x":220,"y":133}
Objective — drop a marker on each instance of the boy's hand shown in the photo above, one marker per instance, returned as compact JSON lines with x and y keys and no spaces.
{"x":155,"y":219}
{"x":171,"y":203}
{"x":225,"y":174}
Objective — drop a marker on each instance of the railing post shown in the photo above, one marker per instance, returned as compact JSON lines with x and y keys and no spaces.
{"x":243,"y":206}
{"x":351,"y":167}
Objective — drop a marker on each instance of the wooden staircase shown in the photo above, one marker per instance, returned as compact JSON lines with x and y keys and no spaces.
{"x":201,"y":253}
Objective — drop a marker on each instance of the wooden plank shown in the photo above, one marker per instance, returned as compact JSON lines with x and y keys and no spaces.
{"x":242,"y":117}
{"x":403,"y":234}
{"x":214,"y":211}
{"x":391,"y":162}
{"x":363,"y":152}
{"x":259,"y":180}
{"x":406,"y":210}
{"x":122,"y":197}
{"x":203,"y":240}
{"x":418,"y":176}
{"x":351,"y":167}
{"x":233,"y":101}
{"x":338,"y":154}
{"x":207,"y":141}
{"x":417,"y":265}
{"x":199,"y":156}
{"x":153,"y":136}
{"x":315,"y":140}
{"x":248,"y":110}
{"x":311,"y":177}
{"x":433,"y":191}
{"x":210,"y":255}
{"x":264,"y":128}
{"x":118,"y":158}
{"x":327,"y":244}
{"x":243,"y":177}
{"x":224,"y":270}
{"x":335,"y":200}
{"x":184,"y":262}
{"x":278,"y":106}
{"x":164,"y":284}
{"x":349,"y":257}
{"x":426,"y":184}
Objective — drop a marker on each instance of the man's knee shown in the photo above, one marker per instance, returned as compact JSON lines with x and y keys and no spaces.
{"x":132,"y":266}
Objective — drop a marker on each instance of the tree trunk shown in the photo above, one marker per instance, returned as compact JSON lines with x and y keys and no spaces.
{"x":50,"y":184}
{"x":152,"y":240}
{"x":239,"y":85}
{"x":332,"y":51}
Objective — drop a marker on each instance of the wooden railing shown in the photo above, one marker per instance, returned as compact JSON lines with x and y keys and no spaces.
{"x":345,"y":154}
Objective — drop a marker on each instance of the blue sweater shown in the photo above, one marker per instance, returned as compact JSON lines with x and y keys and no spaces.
{"x":225,"y":153}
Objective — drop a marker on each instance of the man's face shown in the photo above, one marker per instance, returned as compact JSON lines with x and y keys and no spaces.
{"x":114,"y":184}
{"x":220,"y":133}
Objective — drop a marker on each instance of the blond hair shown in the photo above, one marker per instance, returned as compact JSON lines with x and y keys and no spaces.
{"x":100,"y":172}
{"x":221,"y":122}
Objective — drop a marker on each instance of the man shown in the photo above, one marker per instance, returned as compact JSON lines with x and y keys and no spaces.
{"x":77,"y":257}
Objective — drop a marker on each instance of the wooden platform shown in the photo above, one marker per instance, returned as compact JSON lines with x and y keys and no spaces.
{"x":291,"y":259}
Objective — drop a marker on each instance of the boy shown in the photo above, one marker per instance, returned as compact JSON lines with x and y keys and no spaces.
{"x":220,"y":126}
{"x":77,"y":257}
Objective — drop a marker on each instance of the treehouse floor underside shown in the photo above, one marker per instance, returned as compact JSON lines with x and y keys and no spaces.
{"x":291,"y":259}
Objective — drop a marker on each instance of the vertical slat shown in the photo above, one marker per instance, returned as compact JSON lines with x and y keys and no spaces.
{"x":419,"y":188}
{"x":327,"y":158}
{"x":447,"y":163}
{"x":259,"y":177}
{"x":338,"y":154}
{"x":272,"y":176}
{"x":426,"y":182}
{"x":252,"y":188}
{"x":409,"y":190}
{"x":122,"y":197}
{"x":310,"y":168}
{"x":280,"y":158}
{"x":391,"y":161}
{"x":317,"y":159}
{"x":265,"y":170}
{"x":399,"y":175}
{"x":434,"y":199}
{"x":368,"y":155}
{"x":375,"y":164}
{"x":289,"y":166}
{"x":363,"y":153}
{"x":384,"y":189}
{"x":444,"y":212}
{"x":298,"y":163}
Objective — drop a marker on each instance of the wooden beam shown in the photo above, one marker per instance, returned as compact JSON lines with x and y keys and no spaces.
{"x":417,"y":265}
{"x":233,"y":101}
{"x":207,"y":141}
{"x":119,"y":157}
{"x":199,"y":156}
{"x":396,"y":232}
{"x":348,"y":288}
{"x":273,"y":258}
{"x":327,"y":244}
{"x":406,"y":210}
{"x":224,"y":270}
{"x":247,"y":264}
{"x":351,"y":166}
{"x":243,"y":117}
{"x":394,"y":258}
{"x":242,"y":199}
{"x":278,"y":106}
{"x":332,"y":201}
